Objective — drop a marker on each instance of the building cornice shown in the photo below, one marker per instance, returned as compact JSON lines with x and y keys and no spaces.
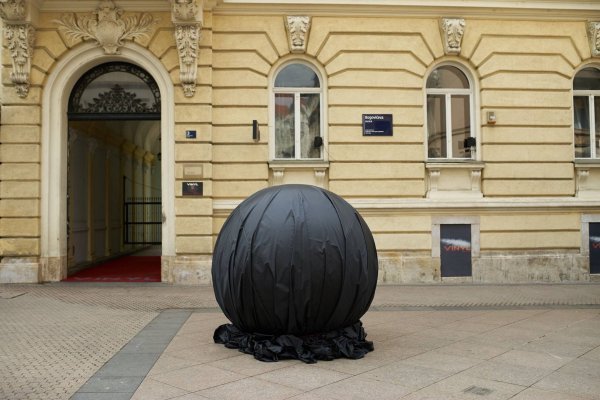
{"x":531,"y":9}
{"x":128,"y":5}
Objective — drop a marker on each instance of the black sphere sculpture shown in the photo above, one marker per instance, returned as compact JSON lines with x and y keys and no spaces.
{"x":294,"y":269}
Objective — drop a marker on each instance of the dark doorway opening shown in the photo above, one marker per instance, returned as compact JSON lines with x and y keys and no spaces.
{"x":114,"y":176}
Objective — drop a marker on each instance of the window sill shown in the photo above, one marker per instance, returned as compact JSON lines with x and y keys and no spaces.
{"x":311,"y":172}
{"x":298,"y":164}
{"x":453,"y":163}
{"x":587,"y":162}
{"x":454,"y":179}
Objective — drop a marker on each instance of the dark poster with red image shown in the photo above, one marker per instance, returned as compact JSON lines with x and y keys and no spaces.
{"x":595,"y":248}
{"x":455,"y":249}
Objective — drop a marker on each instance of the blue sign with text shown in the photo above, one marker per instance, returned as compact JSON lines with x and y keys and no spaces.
{"x":190,"y":134}
{"x":377,"y":125}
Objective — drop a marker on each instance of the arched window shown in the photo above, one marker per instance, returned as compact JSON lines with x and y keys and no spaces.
{"x":586,"y":113}
{"x":297,"y":93}
{"x":449,"y":113}
{"x":117,"y":91}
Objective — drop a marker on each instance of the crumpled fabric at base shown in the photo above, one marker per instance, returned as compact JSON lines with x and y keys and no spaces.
{"x":349,"y":342}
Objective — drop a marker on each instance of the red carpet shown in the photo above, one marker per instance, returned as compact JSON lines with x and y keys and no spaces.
{"x":124,"y":269}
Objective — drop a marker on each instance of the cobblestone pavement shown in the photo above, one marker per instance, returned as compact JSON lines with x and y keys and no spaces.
{"x":54,"y":337}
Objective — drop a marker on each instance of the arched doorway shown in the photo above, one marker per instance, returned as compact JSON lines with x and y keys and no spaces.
{"x":113,"y":175}
{"x":54,"y":251}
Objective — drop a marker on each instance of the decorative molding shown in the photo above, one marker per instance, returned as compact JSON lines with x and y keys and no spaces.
{"x":187,"y":38}
{"x":587,"y":183}
{"x":20,"y":37}
{"x":187,"y":18}
{"x":547,"y":10}
{"x":57,"y":6}
{"x":278,"y":174}
{"x":117,"y":100}
{"x":186,"y":11}
{"x":320,"y":176}
{"x":593,"y":29}
{"x":453,"y":30}
{"x":102,"y":102}
{"x":13,"y":10}
{"x":476,"y":180}
{"x":106,"y":26}
{"x":298,"y":30}
{"x":434,"y":178}
{"x":454,"y":180}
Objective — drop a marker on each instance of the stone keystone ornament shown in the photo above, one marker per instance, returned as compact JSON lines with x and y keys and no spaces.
{"x":294,"y":269}
{"x":298,"y":29}
{"x":453,"y":30}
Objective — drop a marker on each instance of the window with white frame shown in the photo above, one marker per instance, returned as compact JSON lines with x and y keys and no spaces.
{"x":297,"y":93}
{"x":449,"y":114}
{"x":586,"y":113}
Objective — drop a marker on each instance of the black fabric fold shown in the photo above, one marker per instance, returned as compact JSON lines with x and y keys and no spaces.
{"x":349,"y":342}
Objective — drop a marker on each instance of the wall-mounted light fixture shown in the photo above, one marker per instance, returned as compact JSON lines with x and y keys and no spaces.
{"x":255,"y":131}
{"x":470,"y":142}
{"x":491,"y":117}
{"x":318,"y":142}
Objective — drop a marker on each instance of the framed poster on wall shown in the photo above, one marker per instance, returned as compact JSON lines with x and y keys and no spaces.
{"x":455,"y":250}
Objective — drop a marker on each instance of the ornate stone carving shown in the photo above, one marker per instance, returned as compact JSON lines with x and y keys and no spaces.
{"x":593,"y":29}
{"x":186,"y":11}
{"x":187,"y":18}
{"x":298,"y":29}
{"x":20,"y":36}
{"x":187,"y":38}
{"x":453,"y":30}
{"x":106,"y":26}
{"x":20,"y":39}
{"x":12,"y":10}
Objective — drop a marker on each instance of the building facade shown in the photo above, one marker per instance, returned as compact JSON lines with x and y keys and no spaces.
{"x":467,"y":133}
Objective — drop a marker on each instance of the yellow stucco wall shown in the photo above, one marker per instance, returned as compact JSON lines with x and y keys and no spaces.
{"x":522,"y":70}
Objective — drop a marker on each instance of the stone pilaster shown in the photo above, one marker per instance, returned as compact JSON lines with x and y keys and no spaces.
{"x":20,"y":37}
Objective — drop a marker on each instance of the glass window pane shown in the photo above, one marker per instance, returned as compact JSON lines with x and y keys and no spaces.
{"x":447,"y":77}
{"x":461,"y":125}
{"x":297,"y":75}
{"x":310,"y":124}
{"x":597,"y":124}
{"x":581,"y":125}
{"x":587,"y":79}
{"x":284,"y":125}
{"x":436,"y":126}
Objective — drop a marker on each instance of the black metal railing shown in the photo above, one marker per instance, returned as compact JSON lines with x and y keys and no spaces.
{"x":142,"y":220}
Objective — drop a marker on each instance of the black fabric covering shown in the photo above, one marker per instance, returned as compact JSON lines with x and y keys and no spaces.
{"x":348,"y":342}
{"x":294,"y":262}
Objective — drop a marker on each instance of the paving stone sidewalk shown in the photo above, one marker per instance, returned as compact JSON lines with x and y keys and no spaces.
{"x":432,"y":341}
